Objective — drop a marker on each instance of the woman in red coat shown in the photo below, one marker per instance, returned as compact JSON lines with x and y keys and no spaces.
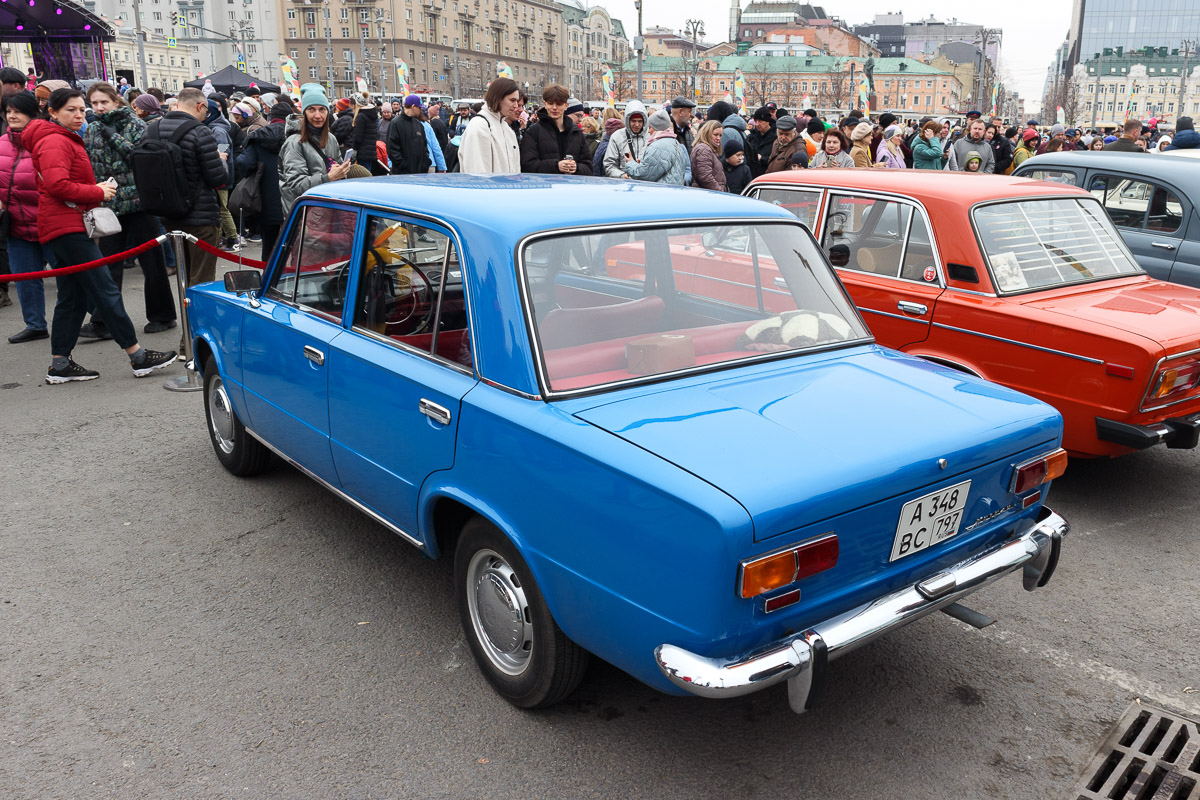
{"x":66,"y":189}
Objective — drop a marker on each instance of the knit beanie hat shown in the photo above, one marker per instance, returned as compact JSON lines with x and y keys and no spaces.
{"x":282,"y":111}
{"x":887,"y":119}
{"x":254,"y":104}
{"x":613,"y":125}
{"x":861,"y":131}
{"x":358,"y":171}
{"x":311,"y":94}
{"x":1185,"y":124}
{"x":343,"y":104}
{"x":659,"y":121}
{"x":147,"y":102}
{"x":815,"y":126}
{"x":800,"y":157}
{"x":732,"y":148}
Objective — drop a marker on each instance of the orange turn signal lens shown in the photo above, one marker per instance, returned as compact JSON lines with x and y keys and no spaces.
{"x":779,"y":569}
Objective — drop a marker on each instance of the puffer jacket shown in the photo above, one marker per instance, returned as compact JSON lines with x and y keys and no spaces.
{"x":707,"y":170}
{"x":543,"y":146}
{"x":110,"y":141}
{"x":263,"y":147}
{"x":666,"y":161}
{"x":301,"y":165}
{"x":927,"y":154}
{"x":343,"y":126}
{"x":66,"y":176}
{"x":363,"y":138}
{"x":626,"y":141}
{"x":18,"y":186}
{"x":1184,"y":140}
{"x":206,"y":172}
{"x":733,"y":129}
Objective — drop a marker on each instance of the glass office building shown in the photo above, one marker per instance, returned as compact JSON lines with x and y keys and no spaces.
{"x":1132,"y":25}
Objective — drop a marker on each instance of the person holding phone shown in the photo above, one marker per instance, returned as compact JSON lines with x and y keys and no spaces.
{"x":309,"y":154}
{"x":554,"y":144}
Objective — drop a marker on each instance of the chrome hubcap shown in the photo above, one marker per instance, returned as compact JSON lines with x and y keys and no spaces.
{"x":220,"y":414}
{"x":499,"y":612}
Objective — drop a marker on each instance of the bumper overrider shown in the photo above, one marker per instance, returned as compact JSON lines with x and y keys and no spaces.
{"x":1177,"y":433}
{"x":802,"y":659}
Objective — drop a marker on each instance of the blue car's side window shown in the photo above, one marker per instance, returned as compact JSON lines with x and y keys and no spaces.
{"x":314,"y":267}
{"x":411,"y":288}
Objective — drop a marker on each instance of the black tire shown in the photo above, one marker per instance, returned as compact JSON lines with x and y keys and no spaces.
{"x":238,"y":451}
{"x":525,"y":656}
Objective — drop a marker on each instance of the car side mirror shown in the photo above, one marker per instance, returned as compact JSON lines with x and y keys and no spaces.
{"x":243,"y":281}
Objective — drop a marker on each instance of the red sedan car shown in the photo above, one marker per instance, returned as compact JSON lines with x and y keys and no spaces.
{"x":1023,"y":282}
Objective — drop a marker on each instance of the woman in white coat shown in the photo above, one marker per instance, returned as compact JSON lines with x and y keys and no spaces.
{"x":489,"y":144}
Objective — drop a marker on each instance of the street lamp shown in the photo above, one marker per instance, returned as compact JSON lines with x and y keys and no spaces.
{"x":639,"y":44}
{"x":695,"y":28}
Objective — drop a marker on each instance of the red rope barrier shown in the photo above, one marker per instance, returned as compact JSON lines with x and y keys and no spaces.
{"x":208,"y":248}
{"x":100,"y":262}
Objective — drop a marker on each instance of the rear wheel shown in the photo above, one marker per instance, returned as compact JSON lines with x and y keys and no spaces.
{"x":237,"y":450}
{"x":516,"y":643}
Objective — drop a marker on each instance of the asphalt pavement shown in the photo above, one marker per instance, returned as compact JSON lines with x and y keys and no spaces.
{"x":168,"y":630}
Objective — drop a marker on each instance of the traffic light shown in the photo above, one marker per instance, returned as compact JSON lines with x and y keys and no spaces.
{"x":174,"y":19}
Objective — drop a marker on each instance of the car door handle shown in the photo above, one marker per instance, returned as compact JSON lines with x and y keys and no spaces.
{"x":1162,"y":245}
{"x":912,"y":308}
{"x":439,"y":414}
{"x":314,"y":355}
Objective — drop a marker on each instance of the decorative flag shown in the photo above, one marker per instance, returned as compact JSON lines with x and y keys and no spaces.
{"x":728,"y":98}
{"x":1129,"y":103}
{"x":606,"y":87}
{"x":361,"y":83}
{"x":995,"y":88}
{"x":402,"y":76}
{"x":806,"y":102}
{"x":864,"y":86}
{"x":739,"y":90}
{"x":288,"y":68}
{"x":503,"y":70}
{"x":1059,"y":117}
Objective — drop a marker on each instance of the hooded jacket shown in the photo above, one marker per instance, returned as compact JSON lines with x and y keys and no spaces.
{"x":733,"y":129}
{"x":927,"y":154}
{"x":301,"y":165}
{"x":66,"y":176}
{"x":110,"y":141}
{"x":262,"y":147}
{"x":626,"y":141}
{"x":1184,"y":140}
{"x":222,"y":131}
{"x":544,"y":145}
{"x":363,"y":138}
{"x":1002,"y":149}
{"x":666,"y":161}
{"x":18,"y":186}
{"x":489,"y":146}
{"x":202,"y":162}
{"x":957,"y":159}
{"x":407,"y":146}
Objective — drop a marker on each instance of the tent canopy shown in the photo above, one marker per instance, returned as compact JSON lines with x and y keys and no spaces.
{"x":231,"y":79}
{"x":63,"y":20}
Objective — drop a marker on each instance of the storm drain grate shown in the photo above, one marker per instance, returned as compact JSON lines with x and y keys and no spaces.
{"x":1148,"y":755}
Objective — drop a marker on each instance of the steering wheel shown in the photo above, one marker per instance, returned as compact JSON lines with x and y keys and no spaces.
{"x":404,"y":308}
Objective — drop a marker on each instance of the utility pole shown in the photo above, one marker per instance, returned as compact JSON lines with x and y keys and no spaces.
{"x":1188,"y":47}
{"x":362,"y":46}
{"x":382,"y":70}
{"x":1096,"y":88}
{"x":695,"y":29}
{"x":457,"y":94}
{"x":328,"y":47}
{"x":639,"y":44}
{"x":141,"y":39}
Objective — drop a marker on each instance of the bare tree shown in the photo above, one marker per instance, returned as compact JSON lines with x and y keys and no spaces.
{"x":835,"y":86}
{"x":758,"y":80}
{"x":622,"y":83}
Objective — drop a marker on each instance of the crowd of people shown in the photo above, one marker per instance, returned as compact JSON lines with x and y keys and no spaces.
{"x":65,"y":152}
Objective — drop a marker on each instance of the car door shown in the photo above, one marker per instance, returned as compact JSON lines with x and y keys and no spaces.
{"x":286,"y":340}
{"x":399,"y":374}
{"x":1149,"y":214}
{"x":884,"y":252}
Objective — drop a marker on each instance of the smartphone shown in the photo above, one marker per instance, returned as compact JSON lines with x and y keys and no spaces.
{"x":223,"y":148}
{"x":350,"y":154}
{"x":568,"y":158}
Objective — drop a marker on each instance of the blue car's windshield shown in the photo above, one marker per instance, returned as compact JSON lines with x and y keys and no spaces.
{"x":619,"y":305}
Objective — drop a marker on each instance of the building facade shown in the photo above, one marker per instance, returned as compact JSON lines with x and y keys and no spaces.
{"x":1141,"y":85}
{"x":451,"y":47}
{"x":1130,"y":25}
{"x":215,"y":33}
{"x":593,"y":40}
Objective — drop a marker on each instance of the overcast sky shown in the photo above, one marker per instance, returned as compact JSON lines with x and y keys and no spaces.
{"x":1031,"y":33}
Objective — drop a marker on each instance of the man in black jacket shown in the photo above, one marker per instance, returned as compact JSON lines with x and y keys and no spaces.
{"x":343,"y":126}
{"x":406,"y":142}
{"x":759,"y":142}
{"x":554,"y":144}
{"x":206,"y":173}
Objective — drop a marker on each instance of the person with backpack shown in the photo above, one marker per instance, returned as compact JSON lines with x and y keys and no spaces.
{"x":110,"y":141}
{"x":67,"y":189}
{"x":178,"y":169}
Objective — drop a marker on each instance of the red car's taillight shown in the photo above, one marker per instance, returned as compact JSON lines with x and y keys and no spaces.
{"x":766,"y":573}
{"x":1042,"y":469}
{"x":1174,"y":382}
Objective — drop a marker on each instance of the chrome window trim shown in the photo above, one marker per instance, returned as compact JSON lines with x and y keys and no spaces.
{"x":1051,"y":350}
{"x":407,"y":348}
{"x":987,"y":263}
{"x":414,"y":541}
{"x":530,"y":329}
{"x":1142,"y":408}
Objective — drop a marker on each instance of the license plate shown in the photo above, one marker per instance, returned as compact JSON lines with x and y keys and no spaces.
{"x":930,"y":520}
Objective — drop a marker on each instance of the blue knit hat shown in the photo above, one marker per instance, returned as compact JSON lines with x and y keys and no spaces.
{"x":312,"y":94}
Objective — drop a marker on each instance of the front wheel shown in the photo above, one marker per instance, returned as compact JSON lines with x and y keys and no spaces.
{"x":516,"y":643}
{"x":237,"y":450}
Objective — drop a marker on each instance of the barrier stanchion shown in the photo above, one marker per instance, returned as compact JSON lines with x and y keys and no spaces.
{"x":189,"y":381}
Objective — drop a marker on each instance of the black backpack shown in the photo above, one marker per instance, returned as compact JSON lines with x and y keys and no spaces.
{"x":159,"y":174}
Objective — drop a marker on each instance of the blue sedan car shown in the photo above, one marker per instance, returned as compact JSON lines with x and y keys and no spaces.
{"x":646,"y":422}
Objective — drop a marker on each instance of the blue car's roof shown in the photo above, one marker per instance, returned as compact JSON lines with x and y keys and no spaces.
{"x":522,"y":204}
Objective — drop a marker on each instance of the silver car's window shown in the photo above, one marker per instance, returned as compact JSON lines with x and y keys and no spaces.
{"x":623,"y":305}
{"x":1033,"y":244}
{"x":1052,"y":175}
{"x":1138,"y":204}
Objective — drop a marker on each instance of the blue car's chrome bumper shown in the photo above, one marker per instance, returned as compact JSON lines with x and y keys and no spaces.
{"x":802,"y":658}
